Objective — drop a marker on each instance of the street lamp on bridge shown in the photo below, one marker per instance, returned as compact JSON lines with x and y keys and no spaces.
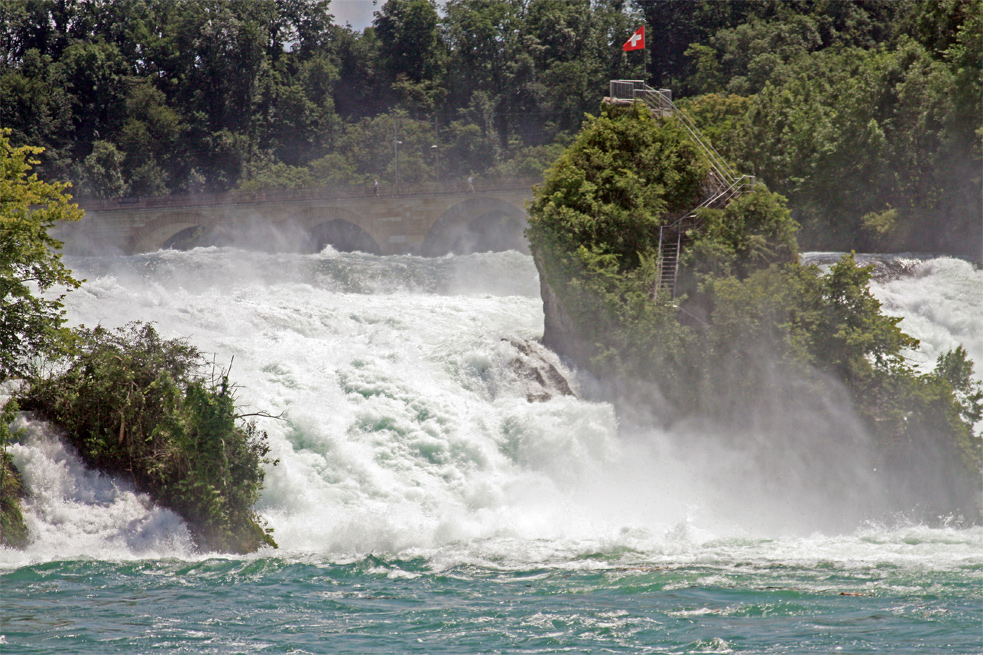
{"x":396,"y":143}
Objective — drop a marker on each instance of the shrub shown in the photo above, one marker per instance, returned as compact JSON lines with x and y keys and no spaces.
{"x":139,"y":406}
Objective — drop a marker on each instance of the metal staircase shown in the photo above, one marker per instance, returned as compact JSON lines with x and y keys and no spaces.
{"x":670,"y":242}
{"x":722,"y":185}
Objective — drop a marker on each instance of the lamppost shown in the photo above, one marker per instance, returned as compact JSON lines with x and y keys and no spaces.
{"x":396,"y":143}
{"x":436,"y":151}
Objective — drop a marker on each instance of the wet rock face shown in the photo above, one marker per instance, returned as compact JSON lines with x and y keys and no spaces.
{"x":540,"y":376}
{"x":559,"y":334}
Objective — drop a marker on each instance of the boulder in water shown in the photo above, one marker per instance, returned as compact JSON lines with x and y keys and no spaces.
{"x":541,"y":377}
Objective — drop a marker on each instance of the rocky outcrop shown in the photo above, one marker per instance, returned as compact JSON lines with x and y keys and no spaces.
{"x":559,"y":333}
{"x":540,"y":377}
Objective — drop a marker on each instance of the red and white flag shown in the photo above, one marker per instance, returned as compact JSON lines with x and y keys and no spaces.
{"x":636,"y":42}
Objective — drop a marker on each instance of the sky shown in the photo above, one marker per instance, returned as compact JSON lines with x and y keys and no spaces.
{"x":356,"y":12}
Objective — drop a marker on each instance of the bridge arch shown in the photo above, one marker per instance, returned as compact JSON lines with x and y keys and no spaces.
{"x":340,"y":228}
{"x":174,"y":229}
{"x":477,"y":225}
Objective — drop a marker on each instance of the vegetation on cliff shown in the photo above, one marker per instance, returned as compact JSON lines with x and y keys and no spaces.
{"x":594,"y":229}
{"x":133,"y":404}
{"x":752,"y":325}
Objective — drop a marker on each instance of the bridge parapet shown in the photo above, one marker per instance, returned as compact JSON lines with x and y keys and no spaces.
{"x":327,"y":192}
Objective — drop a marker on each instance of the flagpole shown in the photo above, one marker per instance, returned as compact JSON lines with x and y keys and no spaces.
{"x":645,"y":63}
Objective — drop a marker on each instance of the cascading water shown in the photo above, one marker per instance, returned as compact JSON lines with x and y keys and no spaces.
{"x":408,"y":450}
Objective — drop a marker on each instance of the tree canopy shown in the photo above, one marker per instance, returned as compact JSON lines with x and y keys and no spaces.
{"x":864,"y":114}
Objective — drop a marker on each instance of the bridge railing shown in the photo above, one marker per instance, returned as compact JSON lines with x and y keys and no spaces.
{"x":319,"y":193}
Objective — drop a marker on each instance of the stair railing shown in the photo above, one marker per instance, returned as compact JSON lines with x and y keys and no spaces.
{"x":660,"y":103}
{"x":724,"y":183}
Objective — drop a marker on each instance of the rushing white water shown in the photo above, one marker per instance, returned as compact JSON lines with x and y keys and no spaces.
{"x":942,"y":305}
{"x":405,"y":428}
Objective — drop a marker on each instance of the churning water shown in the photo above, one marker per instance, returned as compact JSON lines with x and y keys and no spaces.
{"x":423,"y":504}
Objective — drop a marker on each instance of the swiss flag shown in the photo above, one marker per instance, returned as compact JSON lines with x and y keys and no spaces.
{"x":637,"y":40}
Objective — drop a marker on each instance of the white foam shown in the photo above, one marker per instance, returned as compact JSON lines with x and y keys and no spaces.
{"x":942,"y":306}
{"x":404,"y":429}
{"x":74,"y":512}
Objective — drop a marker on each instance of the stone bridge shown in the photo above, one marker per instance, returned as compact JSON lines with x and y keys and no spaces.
{"x":427,"y":221}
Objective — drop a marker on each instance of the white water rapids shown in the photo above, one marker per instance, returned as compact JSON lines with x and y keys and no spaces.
{"x":405,"y":429}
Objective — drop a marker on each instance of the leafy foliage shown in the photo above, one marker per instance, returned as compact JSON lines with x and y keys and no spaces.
{"x":849,"y":109}
{"x":881,"y":129}
{"x":615,"y":185}
{"x":138,"y":405}
{"x":13,"y":530}
{"x":30,"y":264}
{"x":752,"y":232}
{"x":197,"y":95}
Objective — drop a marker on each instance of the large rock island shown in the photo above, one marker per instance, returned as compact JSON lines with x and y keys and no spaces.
{"x":700,"y":311}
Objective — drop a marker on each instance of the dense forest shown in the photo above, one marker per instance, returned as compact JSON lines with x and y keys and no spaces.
{"x":866,"y":115}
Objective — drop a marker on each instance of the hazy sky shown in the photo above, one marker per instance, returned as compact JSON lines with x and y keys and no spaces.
{"x":356,"y":12}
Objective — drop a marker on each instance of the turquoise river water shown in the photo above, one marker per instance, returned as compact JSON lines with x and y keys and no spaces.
{"x":423,"y":504}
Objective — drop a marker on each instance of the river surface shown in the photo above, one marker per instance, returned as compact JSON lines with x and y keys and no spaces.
{"x":423,"y":504}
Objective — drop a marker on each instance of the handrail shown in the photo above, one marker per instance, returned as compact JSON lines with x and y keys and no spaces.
{"x":722,"y":186}
{"x":659,"y":101}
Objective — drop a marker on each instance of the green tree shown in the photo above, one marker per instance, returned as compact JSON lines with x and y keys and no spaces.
{"x":482,"y":37}
{"x":94,"y":75}
{"x":37,"y":109}
{"x":411,"y":48}
{"x":675,"y":26}
{"x":882,"y":129}
{"x":299,"y":26}
{"x":152,"y":140}
{"x":362,"y":88}
{"x":719,"y":118}
{"x":751,"y":233}
{"x":274,"y":176}
{"x":753,"y":42}
{"x":102,"y":176}
{"x":936,"y":23}
{"x":30,"y":264}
